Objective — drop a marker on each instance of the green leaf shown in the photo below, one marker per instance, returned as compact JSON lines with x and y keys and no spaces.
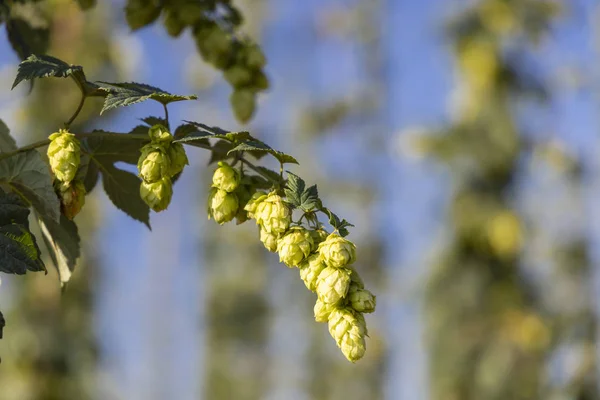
{"x":258,"y":146}
{"x":213,"y":132}
{"x":126,"y":94}
{"x":273,"y":176}
{"x":86,"y":4}
{"x":306,"y":199}
{"x":140,"y":13}
{"x":27,"y":174}
{"x":27,"y":29}
{"x":18,"y":248}
{"x":335,"y":222}
{"x":220,"y":151}
{"x":62,"y":240}
{"x":151,"y":121}
{"x":7,"y":143}
{"x":39,"y":66}
{"x":109,"y":150}
{"x":184,"y":130}
{"x":123,"y":189}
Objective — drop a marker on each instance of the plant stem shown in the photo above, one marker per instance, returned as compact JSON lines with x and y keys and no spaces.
{"x":258,"y":171}
{"x":77,"y":111}
{"x":166,"y":115}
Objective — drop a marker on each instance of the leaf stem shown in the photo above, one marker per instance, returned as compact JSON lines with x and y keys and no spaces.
{"x":166,"y":115}
{"x":81,"y":102}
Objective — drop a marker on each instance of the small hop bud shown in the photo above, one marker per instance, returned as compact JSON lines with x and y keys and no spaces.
{"x":273,"y":214}
{"x":318,"y":236}
{"x":333,"y":284}
{"x":64,"y":155}
{"x":322,"y":311}
{"x":72,"y":197}
{"x":361,"y":300}
{"x":255,"y":200}
{"x":222,"y":206}
{"x":159,"y":134}
{"x":310,"y":270}
{"x":337,"y":252}
{"x":157,"y":194}
{"x":154,"y":163}
{"x":269,"y":240}
{"x":226,"y":178}
{"x":294,"y":246}
{"x":177,"y":157}
{"x":348,"y":328}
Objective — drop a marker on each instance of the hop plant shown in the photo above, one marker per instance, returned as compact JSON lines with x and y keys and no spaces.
{"x":157,"y":194}
{"x":294,"y":246}
{"x":64,"y":155}
{"x":273,"y":214}
{"x":269,"y":240}
{"x":337,"y":252}
{"x":310,"y":270}
{"x":322,"y":311}
{"x":348,"y":328}
{"x":255,"y":200}
{"x":154,"y":164}
{"x":226,"y":178}
{"x":177,"y":157}
{"x":361,"y":300}
{"x":333,"y":284}
{"x":72,"y":197}
{"x":222,"y":206}
{"x":159,"y":134}
{"x":318,"y":236}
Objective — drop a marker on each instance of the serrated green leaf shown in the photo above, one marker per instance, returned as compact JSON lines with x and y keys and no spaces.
{"x":140,"y":13}
{"x":27,"y":174}
{"x":139,"y":130}
{"x":151,"y":121}
{"x":335,"y":222}
{"x":126,"y":94}
{"x":41,"y":66}
{"x":108,"y":150}
{"x":258,"y":146}
{"x":123,"y":189}
{"x":184,"y":130}
{"x":7,"y":142}
{"x":90,"y":179}
{"x":219,"y":151}
{"x":62,"y":240}
{"x":214,"y":132}
{"x":306,"y":199}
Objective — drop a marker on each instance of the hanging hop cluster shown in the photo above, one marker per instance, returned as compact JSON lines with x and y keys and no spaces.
{"x":324,"y":260}
{"x":64,"y":156}
{"x":159,"y":162}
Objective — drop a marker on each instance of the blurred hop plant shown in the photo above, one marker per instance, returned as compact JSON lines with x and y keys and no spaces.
{"x":226,"y":178}
{"x":64,"y":155}
{"x":222,"y":206}
{"x":348,"y":328}
{"x":72,"y":197}
{"x":294,"y":246}
{"x":333,"y":284}
{"x":273,"y":214}
{"x":269,"y":240}
{"x":337,"y":252}
{"x":157,"y":194}
{"x":310,"y":270}
{"x":154,"y":164}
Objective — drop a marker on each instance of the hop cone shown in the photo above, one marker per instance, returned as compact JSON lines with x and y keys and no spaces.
{"x":294,"y":246}
{"x":269,"y":240}
{"x":178,"y":158}
{"x":348,"y":329}
{"x":310,"y":270}
{"x":355,"y":278}
{"x":333,"y":284}
{"x":226,"y":178}
{"x":318,"y":236}
{"x":322,"y":311}
{"x":154,"y":163}
{"x":157,"y":194}
{"x":72,"y":198}
{"x":273,"y":214}
{"x":337,"y":252}
{"x":64,"y":155}
{"x":361,"y":300}
{"x":255,"y":200}
{"x":222,"y":206}
{"x":160,"y":134}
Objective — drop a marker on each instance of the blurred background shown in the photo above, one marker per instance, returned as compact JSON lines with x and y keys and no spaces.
{"x":460,"y":137}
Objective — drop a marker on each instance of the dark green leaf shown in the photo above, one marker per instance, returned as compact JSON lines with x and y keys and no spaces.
{"x":219,"y":151}
{"x":62,"y":240}
{"x":125,"y":94}
{"x":140,"y":130}
{"x":27,"y":174}
{"x":123,"y":189}
{"x":27,"y":30}
{"x":258,"y":146}
{"x":140,"y":13}
{"x":36,"y":66}
{"x":185,"y":130}
{"x":151,"y":121}
{"x":335,"y":222}
{"x":218,"y":133}
{"x":273,"y":176}
{"x":108,"y":150}
{"x":7,"y":143}
{"x":86,"y":4}
{"x":91,"y":177}
{"x":306,"y":199}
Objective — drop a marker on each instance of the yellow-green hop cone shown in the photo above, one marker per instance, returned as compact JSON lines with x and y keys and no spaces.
{"x":269,"y":240}
{"x":72,"y":197}
{"x":355,"y":278}
{"x":273,"y":214}
{"x":337,"y":252}
{"x":333,"y":284}
{"x":64,"y":155}
{"x":226,"y":178}
{"x":318,"y":236}
{"x":222,"y":205}
{"x":322,"y":311}
{"x":310,"y":270}
{"x":157,"y":194}
{"x":348,"y":329}
{"x":158,"y":133}
{"x":361,"y":300}
{"x":255,"y":200}
{"x":294,"y":246}
{"x":154,"y":164}
{"x":177,"y":157}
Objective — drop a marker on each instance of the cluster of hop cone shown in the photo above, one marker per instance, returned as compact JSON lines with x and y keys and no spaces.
{"x":324,"y":260}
